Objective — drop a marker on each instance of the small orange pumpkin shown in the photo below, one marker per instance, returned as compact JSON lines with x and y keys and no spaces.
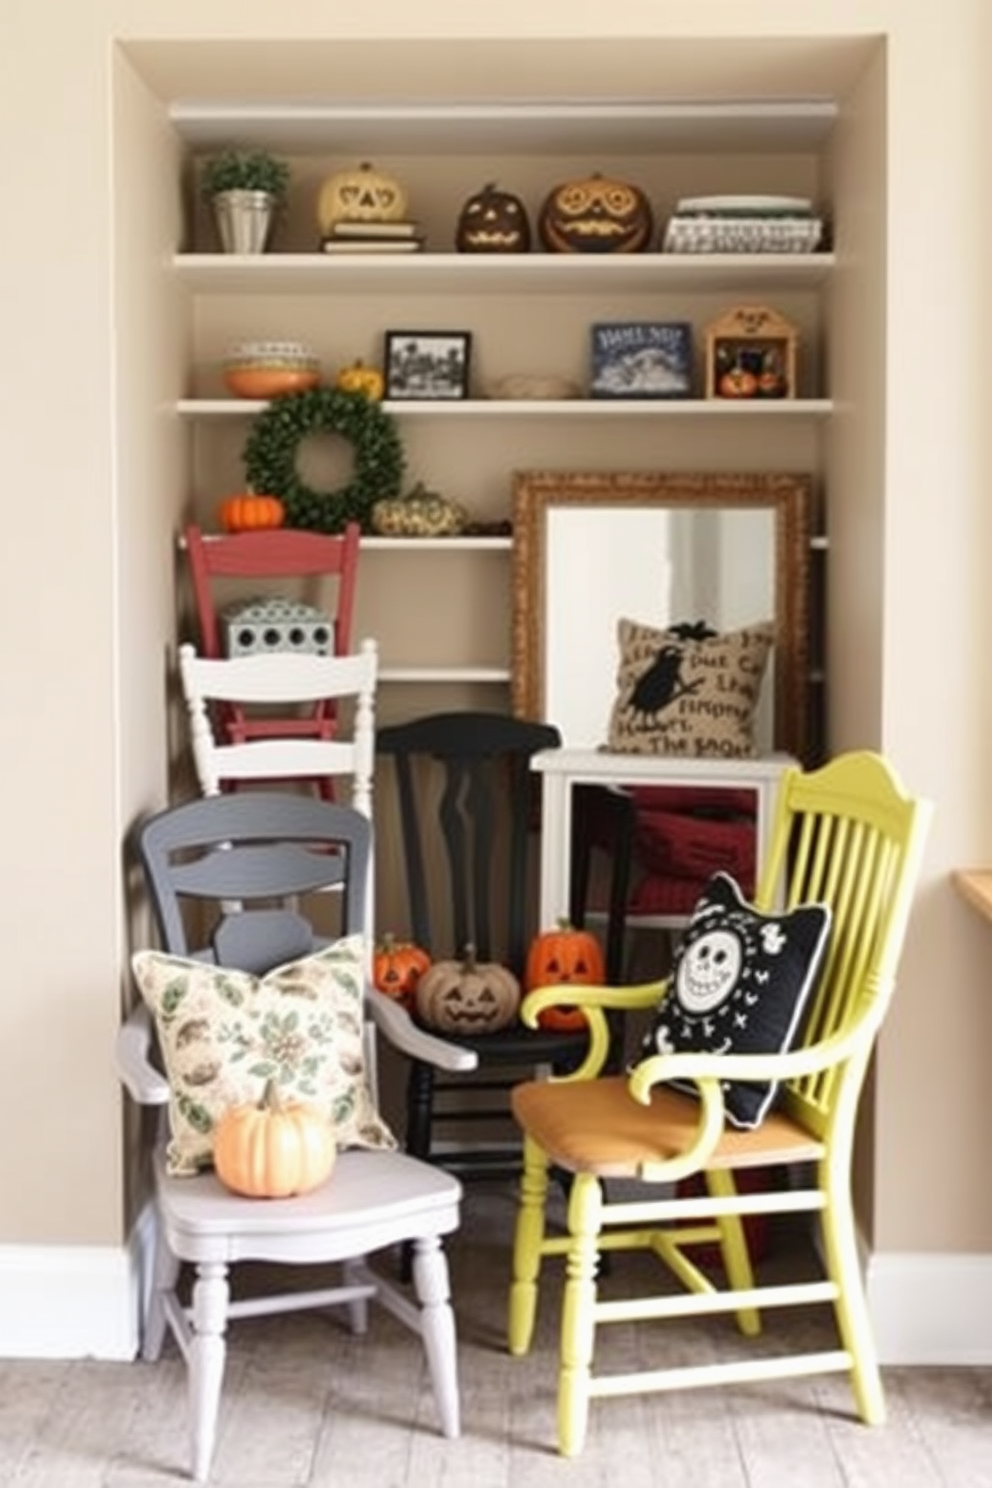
{"x":397,"y":966}
{"x":249,"y":511}
{"x":738,"y":383}
{"x":271,"y":1150}
{"x":564,"y":957}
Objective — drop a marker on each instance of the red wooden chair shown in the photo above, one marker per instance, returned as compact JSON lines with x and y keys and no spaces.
{"x":276,"y":553}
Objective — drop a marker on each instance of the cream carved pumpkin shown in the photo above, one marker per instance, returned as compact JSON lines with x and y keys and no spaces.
{"x":362,"y":195}
{"x":467,"y":996}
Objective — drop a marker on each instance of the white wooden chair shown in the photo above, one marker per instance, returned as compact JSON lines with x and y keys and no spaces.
{"x":274,"y":680}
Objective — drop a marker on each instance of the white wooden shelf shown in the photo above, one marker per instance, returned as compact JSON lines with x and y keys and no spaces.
{"x":420,"y":674}
{"x":580,"y":408}
{"x":437,"y":544}
{"x":500,"y":273}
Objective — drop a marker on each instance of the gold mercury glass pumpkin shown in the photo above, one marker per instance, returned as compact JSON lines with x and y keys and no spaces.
{"x":420,"y":513}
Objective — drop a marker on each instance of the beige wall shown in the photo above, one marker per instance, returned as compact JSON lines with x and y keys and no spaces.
{"x":92,"y":357}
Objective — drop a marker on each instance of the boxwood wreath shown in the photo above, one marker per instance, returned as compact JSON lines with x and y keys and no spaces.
{"x":272,"y":446}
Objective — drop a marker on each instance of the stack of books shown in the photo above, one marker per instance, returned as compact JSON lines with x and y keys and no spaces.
{"x":373,"y":237}
{"x":743,"y":224}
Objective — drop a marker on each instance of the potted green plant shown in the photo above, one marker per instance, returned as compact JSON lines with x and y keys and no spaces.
{"x":245,"y":188}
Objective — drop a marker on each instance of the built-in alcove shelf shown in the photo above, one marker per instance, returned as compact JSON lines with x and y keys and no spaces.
{"x":531,"y":143}
{"x":582,"y":408}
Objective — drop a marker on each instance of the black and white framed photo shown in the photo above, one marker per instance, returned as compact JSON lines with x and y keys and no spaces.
{"x":427,"y":364}
{"x":641,"y":359}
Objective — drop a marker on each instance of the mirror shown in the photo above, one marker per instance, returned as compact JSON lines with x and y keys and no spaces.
{"x":590,"y":548}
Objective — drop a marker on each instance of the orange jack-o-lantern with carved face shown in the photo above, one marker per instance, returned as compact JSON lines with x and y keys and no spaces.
{"x":596,"y":214}
{"x":565,"y":957}
{"x":493,"y":221}
{"x":397,"y":966}
{"x":468,"y":996}
{"x":362,"y":195}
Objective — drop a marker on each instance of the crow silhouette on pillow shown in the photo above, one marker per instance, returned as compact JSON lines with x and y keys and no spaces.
{"x":661,"y":684}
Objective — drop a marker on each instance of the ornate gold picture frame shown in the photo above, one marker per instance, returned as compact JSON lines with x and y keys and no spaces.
{"x":569,"y":577}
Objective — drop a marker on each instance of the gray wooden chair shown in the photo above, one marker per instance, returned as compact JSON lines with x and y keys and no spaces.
{"x":223,"y":865}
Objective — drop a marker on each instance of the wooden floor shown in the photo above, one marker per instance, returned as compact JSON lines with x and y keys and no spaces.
{"x":307,"y":1404}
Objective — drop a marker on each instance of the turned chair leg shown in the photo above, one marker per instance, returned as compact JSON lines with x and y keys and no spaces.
{"x":207,"y":1351}
{"x":419,"y":1116}
{"x":733,"y":1249}
{"x":851,"y":1308}
{"x":437,"y":1327}
{"x":578,"y":1324}
{"x":527,"y":1243}
{"x":165,"y":1274}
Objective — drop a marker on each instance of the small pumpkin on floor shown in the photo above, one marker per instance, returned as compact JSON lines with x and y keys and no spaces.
{"x":565,"y":957}
{"x":272,"y":1150}
{"x":467,"y":996}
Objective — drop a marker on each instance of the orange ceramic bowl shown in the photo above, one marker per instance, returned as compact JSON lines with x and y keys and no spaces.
{"x":269,"y":382}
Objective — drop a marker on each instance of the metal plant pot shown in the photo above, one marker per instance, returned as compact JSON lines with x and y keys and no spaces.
{"x":244,"y":220}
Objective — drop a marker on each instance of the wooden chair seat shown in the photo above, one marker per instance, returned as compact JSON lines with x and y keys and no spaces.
{"x":598,"y":1127}
{"x":369,"y":1202}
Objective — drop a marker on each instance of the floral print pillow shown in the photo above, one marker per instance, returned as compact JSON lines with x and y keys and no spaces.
{"x":223,"y":1033}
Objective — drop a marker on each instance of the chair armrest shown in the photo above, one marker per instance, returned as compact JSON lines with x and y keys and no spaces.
{"x":398,"y":1027}
{"x":793,"y":1065}
{"x":135,"y":1040}
{"x":709,"y":1072}
{"x":595,"y":1003}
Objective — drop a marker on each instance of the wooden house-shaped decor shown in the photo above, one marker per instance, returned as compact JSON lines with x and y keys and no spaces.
{"x":751,"y":353}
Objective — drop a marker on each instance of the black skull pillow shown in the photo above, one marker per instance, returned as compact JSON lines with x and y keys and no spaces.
{"x":740,"y":981}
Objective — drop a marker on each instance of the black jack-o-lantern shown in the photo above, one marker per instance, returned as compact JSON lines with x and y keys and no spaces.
{"x":493,"y":221}
{"x":596,"y":214}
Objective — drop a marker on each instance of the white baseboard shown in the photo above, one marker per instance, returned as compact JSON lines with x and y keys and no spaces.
{"x":931,"y":1308}
{"x":59,"y":1302}
{"x":72,"y":1302}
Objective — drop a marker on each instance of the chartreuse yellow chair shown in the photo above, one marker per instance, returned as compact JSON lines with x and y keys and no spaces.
{"x":846,"y":836}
